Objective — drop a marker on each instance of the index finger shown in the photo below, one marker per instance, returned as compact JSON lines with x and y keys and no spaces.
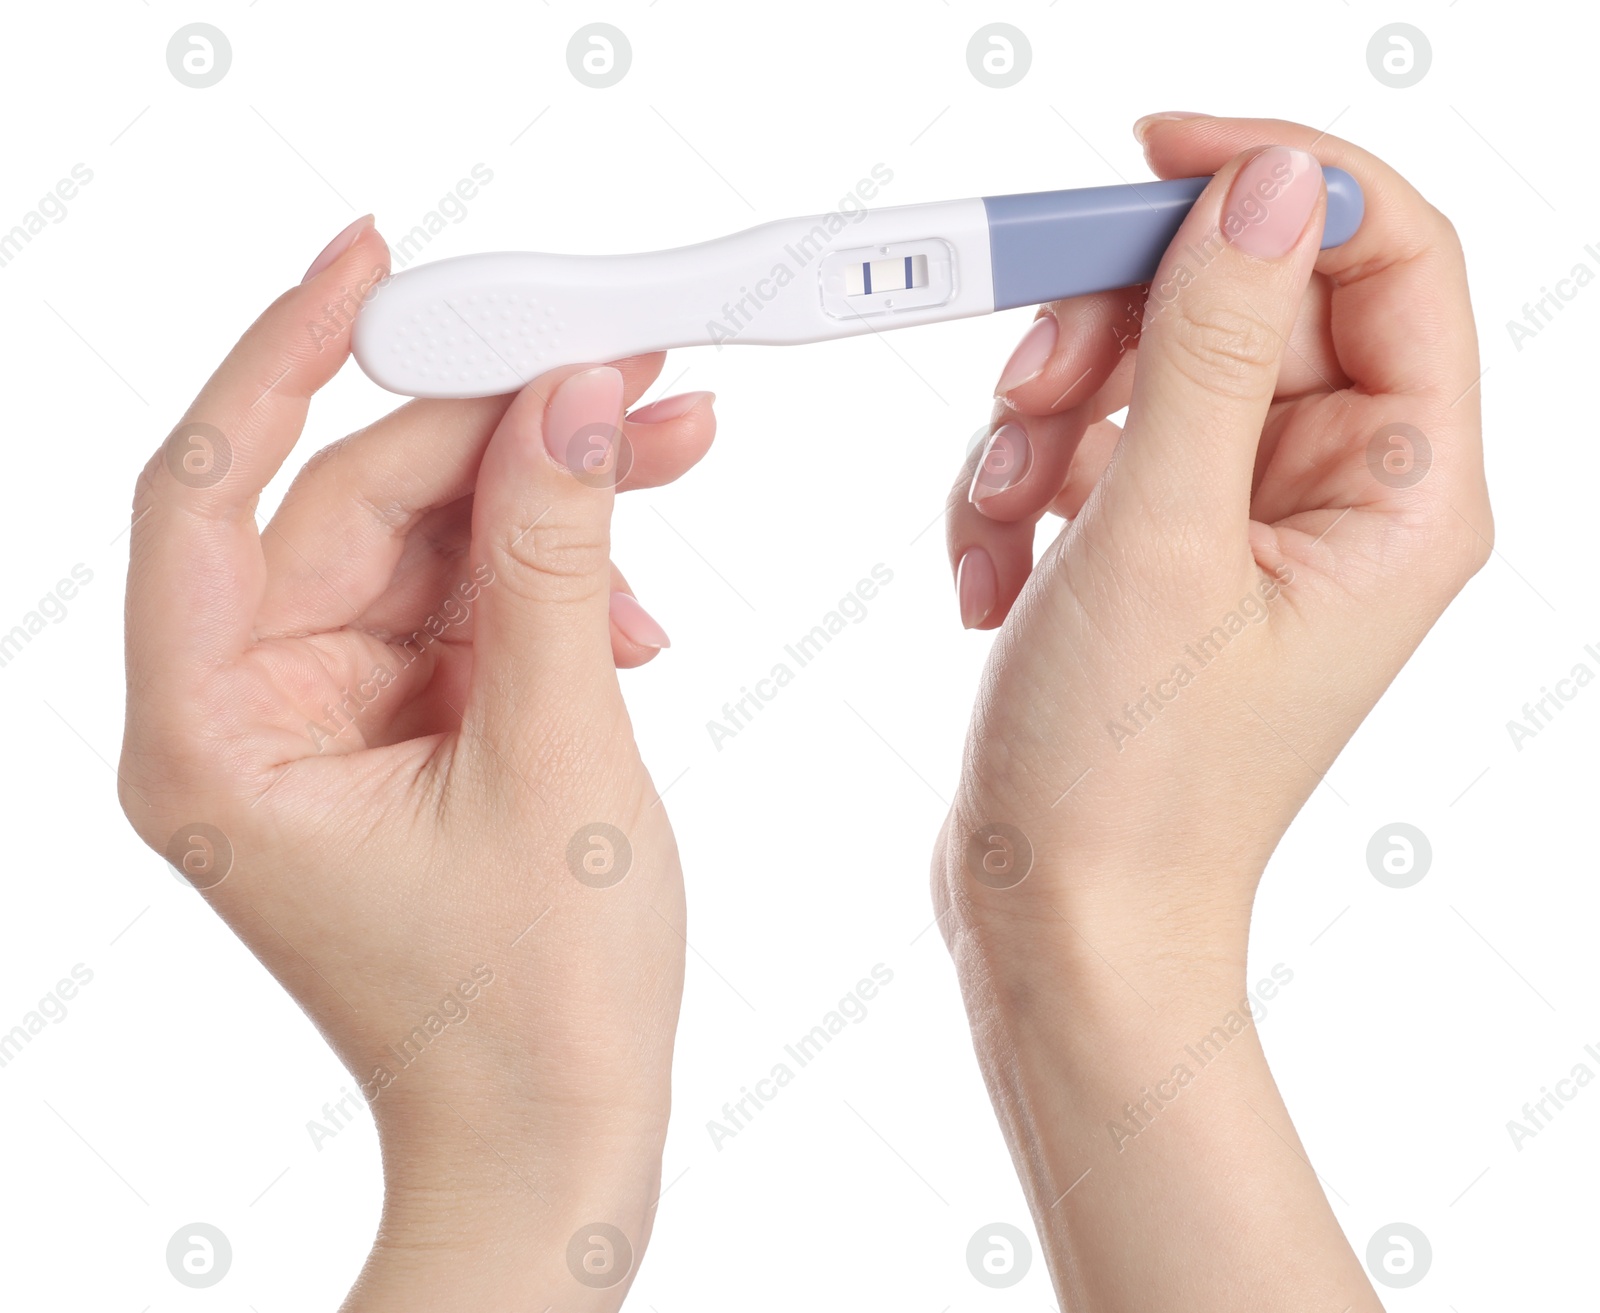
{"x":196,"y":571}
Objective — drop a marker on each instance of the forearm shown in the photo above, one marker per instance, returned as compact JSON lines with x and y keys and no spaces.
{"x":1158,"y":1158}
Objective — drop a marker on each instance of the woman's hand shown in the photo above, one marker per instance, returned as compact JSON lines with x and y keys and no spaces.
{"x":385,"y":736}
{"x":1297,"y":494}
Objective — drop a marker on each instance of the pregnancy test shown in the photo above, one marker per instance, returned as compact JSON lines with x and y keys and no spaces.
{"x":482,"y":325}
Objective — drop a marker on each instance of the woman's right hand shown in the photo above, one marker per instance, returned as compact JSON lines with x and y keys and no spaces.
{"x":386,"y":738}
{"x":1297,"y":494}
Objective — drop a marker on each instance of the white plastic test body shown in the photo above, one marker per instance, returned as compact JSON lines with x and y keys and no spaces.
{"x":482,"y":325}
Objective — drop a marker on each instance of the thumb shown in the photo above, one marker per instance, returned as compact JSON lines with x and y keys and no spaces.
{"x":1216,"y":324}
{"x":541,"y":548}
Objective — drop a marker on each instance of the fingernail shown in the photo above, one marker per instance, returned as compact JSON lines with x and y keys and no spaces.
{"x":1003,"y":463}
{"x":1270,"y":201}
{"x":1031,"y":355}
{"x":636,"y":623}
{"x":977,"y":586}
{"x":659,"y":412}
{"x":580,"y":419}
{"x":338,"y":246}
{"x":1141,"y":127}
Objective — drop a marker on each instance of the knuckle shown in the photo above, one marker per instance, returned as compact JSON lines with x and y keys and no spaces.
{"x":134,"y":808}
{"x":1225,"y":351}
{"x":158,"y":793}
{"x":154,"y":485}
{"x":1476,"y":551}
{"x":556,"y":759}
{"x":144,"y":491}
{"x":320,"y":459}
{"x":1449,"y":236}
{"x":557,"y":557}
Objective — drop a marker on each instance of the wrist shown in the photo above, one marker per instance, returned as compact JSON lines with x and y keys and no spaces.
{"x":502,"y":1246}
{"x":1150,"y":851}
{"x":1014,"y":901}
{"x":553,"y":1211}
{"x":1080,"y":995}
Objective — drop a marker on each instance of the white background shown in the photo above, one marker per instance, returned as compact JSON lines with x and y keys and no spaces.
{"x":178,"y":1087}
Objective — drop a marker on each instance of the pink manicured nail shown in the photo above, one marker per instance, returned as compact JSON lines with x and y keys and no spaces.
{"x":977,"y":586}
{"x":636,"y":623}
{"x":1141,"y":127}
{"x":1031,"y":355}
{"x":580,"y":421}
{"x":1004,"y":461}
{"x":659,"y":412}
{"x":338,"y":246}
{"x":1270,"y":201}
